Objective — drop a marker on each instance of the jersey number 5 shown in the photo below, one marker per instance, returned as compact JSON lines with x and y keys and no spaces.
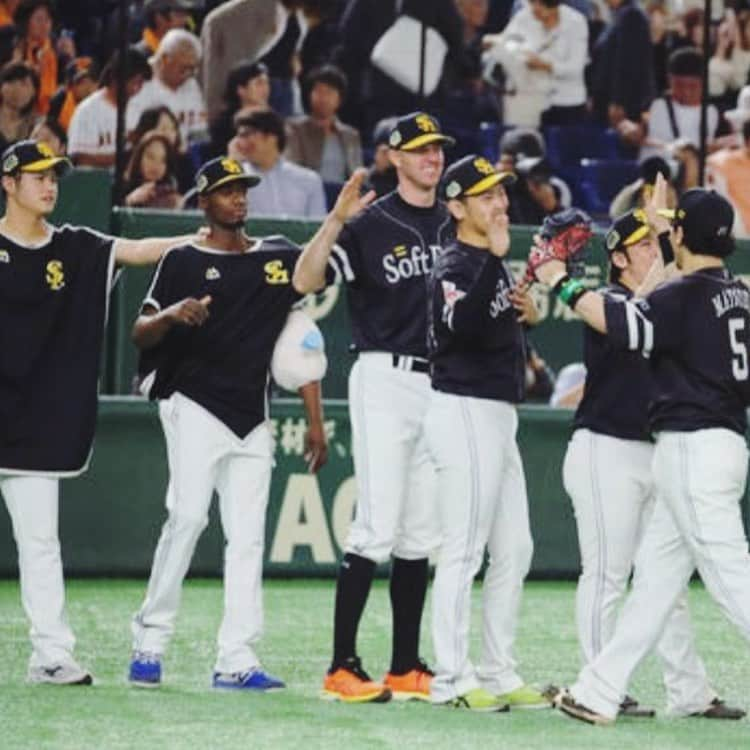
{"x":739,"y":348}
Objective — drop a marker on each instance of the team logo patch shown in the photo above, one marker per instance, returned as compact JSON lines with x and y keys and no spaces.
{"x":231,"y":166}
{"x":426,"y":124}
{"x":453,"y":189}
{"x":483,"y":166}
{"x":451,"y":293}
{"x":212,"y":273}
{"x":55,"y":276}
{"x":202,"y":183}
{"x":395,"y":139}
{"x":10,"y":163}
{"x":276,"y":273}
{"x":613,"y":239}
{"x":400,"y":251}
{"x":4,"y":256}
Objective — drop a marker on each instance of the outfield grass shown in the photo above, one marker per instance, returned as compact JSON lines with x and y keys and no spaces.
{"x":186,"y":713}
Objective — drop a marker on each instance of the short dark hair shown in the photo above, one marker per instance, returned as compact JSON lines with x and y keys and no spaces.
{"x":239,"y":75}
{"x":18,"y":71}
{"x":520,"y":142}
{"x":329,"y":74}
{"x":265,"y":121}
{"x":26,"y":8}
{"x":136,"y":63}
{"x":686,"y":61}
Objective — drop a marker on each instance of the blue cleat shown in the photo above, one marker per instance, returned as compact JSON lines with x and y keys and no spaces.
{"x":145,"y":669}
{"x":254,"y":679}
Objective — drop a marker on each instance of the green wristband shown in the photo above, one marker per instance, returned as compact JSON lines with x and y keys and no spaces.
{"x":571,"y":291}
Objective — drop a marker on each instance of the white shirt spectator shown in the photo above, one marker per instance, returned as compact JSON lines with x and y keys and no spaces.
{"x":186,"y":103}
{"x":93,"y":127}
{"x":565,"y":48}
{"x":688,"y":120}
{"x":287,"y":189}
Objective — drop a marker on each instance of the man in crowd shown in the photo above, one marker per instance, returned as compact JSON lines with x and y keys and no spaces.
{"x":161,"y":16}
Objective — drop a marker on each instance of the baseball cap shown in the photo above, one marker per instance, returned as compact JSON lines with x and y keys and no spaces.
{"x":416,"y":130}
{"x":220,"y":171}
{"x":472,"y":175}
{"x":32,"y":156}
{"x":626,"y":230}
{"x":706,"y":219}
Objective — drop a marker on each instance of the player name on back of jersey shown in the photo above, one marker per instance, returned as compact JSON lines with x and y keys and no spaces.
{"x":731,"y":299}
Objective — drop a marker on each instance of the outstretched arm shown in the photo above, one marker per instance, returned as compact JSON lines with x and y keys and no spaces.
{"x":309,"y":273}
{"x":146,"y":252}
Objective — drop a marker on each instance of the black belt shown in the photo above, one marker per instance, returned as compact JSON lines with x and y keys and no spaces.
{"x":412,"y":364}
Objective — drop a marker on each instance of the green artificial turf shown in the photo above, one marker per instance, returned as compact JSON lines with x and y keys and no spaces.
{"x":186,"y":713}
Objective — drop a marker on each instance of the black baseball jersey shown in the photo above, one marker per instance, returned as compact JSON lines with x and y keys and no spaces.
{"x":695,"y":330}
{"x":477,"y":345}
{"x":223,"y":364}
{"x":53,"y":308}
{"x":385,"y":255}
{"x":618,"y":383}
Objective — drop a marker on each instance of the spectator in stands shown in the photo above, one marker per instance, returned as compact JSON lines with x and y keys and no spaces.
{"x":622,"y":73}
{"x":286,"y":189}
{"x":677,"y":114}
{"x":34,"y":21}
{"x":160,"y":17}
{"x":517,"y":144}
{"x":729,"y":65}
{"x":7,"y":10}
{"x":737,"y":116}
{"x":543,"y":52}
{"x":248,"y":87}
{"x":93,"y":129}
{"x":729,"y":173}
{"x":18,"y":90}
{"x":263,"y":25}
{"x":638,"y":193}
{"x":381,"y":176}
{"x":663,"y":40}
{"x":173,"y":84}
{"x":535,"y":195}
{"x":320,"y":141}
{"x":377,"y":93}
{"x":150,"y":178}
{"x":50,"y":132}
{"x":81,"y":76}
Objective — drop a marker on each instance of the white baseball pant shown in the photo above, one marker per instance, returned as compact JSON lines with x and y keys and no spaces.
{"x":482,"y":503}
{"x":611,"y":485}
{"x":395,"y":512}
{"x":700,"y":480}
{"x":205,"y":455}
{"x":33,"y":504}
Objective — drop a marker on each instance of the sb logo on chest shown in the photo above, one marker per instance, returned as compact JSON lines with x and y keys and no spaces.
{"x":276,"y":273}
{"x":55,"y":276}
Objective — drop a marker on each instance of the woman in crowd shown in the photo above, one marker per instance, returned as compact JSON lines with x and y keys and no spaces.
{"x":150,"y":180}
{"x":18,"y":90}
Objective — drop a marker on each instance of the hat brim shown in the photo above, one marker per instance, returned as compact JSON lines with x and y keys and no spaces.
{"x":505,"y":178}
{"x":251,"y":180}
{"x":60,"y":164}
{"x":423,"y":140}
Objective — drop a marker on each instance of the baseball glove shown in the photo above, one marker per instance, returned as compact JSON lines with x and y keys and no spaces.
{"x":563,"y":236}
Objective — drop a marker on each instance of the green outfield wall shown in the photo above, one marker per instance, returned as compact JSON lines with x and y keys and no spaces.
{"x":110,"y":518}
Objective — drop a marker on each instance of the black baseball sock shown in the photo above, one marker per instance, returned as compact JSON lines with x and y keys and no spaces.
{"x":408,"y":591}
{"x":352,"y":590}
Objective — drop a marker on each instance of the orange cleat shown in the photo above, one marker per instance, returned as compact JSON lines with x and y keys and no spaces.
{"x":412,"y":686}
{"x":349,"y":683}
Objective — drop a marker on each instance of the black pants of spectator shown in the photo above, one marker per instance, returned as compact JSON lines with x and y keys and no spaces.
{"x":555,"y":116}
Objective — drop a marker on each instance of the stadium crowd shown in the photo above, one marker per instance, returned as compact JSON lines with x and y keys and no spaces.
{"x":587,"y":100}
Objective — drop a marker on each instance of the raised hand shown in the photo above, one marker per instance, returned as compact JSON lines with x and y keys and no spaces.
{"x":350,"y":201}
{"x":190,"y":311}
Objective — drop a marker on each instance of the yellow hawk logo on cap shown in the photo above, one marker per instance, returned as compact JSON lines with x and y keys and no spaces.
{"x":45,"y":150}
{"x":426,"y":124}
{"x":231,"y":166}
{"x":483,"y":166}
{"x":55,"y":276}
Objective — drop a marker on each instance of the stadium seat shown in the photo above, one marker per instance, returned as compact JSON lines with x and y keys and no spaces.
{"x":200,"y":153}
{"x":602,"y":179}
{"x":567,"y":145}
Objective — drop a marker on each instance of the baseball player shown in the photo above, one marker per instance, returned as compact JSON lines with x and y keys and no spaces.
{"x":478,"y":357}
{"x":208,"y":327}
{"x":54,"y":288}
{"x":694,"y":331}
{"x":607,"y":473}
{"x":385,"y":252}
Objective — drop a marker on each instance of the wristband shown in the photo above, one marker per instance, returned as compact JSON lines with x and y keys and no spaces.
{"x":569,"y":291}
{"x":665,"y":245}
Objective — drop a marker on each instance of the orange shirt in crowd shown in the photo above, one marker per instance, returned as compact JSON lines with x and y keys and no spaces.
{"x":729,"y":173}
{"x":43,"y":58}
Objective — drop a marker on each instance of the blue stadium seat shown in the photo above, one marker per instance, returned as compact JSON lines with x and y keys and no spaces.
{"x":602,"y":179}
{"x":567,"y":145}
{"x":199,"y":153}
